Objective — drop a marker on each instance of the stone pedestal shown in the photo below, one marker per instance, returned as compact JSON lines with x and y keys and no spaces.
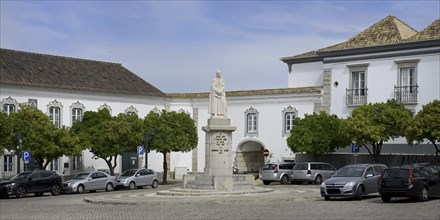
{"x":218,"y":161}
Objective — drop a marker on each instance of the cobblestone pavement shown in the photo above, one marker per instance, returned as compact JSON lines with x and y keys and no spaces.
{"x":285,"y":202}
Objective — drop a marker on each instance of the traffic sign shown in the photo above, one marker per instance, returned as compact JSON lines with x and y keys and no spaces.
{"x":266,"y":152}
{"x":140,"y":150}
{"x":26,"y":155}
{"x":354,"y":148}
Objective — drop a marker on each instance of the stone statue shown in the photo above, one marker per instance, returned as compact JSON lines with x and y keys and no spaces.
{"x":217,"y":97}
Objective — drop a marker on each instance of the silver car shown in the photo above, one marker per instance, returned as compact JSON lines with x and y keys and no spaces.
{"x":312,"y":172}
{"x":90,"y":181}
{"x":139,"y":178}
{"x":353,"y":181}
{"x":276,"y":172}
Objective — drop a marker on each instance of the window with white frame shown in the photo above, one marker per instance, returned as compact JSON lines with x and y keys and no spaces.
{"x":131,"y":111}
{"x":54,"y":110}
{"x":9,"y":105}
{"x":357,"y":92}
{"x":289,"y":115}
{"x":77,"y":111}
{"x":76,"y":163}
{"x":407,"y":88}
{"x":251,"y":118}
{"x":7,"y":163}
{"x":54,"y":165}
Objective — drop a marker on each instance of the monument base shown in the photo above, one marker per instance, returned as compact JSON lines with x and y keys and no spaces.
{"x":223,"y":183}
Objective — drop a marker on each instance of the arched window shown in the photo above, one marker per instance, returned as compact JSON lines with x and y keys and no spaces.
{"x":77,"y":111}
{"x":9,"y":105}
{"x":54,"y":109}
{"x":289,"y":115}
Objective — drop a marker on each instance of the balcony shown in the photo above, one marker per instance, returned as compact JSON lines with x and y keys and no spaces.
{"x":406,"y":94}
{"x":356,"y":96}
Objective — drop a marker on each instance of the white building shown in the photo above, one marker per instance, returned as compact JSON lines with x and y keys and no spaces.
{"x":387,"y":60}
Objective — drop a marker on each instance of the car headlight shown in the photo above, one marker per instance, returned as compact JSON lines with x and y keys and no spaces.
{"x":10,"y":185}
{"x":349,"y":184}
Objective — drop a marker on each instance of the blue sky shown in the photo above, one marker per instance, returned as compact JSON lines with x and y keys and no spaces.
{"x":178,"y":45}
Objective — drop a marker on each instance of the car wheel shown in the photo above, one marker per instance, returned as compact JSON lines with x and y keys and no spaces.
{"x":21,"y":192}
{"x":266,"y":182}
{"x":109,"y":187}
{"x":284,"y":180}
{"x":39,"y":194}
{"x":131,"y":186}
{"x":318,"y":180}
{"x":155,"y":184}
{"x":56,"y":190}
{"x":386,"y":198}
{"x":327,"y":198}
{"x":423,"y":195}
{"x":80,"y":189}
{"x":359,"y":193}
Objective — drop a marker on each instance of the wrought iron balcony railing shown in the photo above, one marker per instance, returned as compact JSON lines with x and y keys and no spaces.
{"x":356,"y":96}
{"x":406,"y":94}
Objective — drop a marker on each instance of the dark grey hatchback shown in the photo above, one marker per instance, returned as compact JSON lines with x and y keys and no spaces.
{"x":417,"y":181}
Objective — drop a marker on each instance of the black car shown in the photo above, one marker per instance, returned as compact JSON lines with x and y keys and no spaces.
{"x":37,"y":182}
{"x":417,"y":181}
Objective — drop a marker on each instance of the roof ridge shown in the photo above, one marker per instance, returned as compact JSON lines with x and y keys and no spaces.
{"x":59,"y":56}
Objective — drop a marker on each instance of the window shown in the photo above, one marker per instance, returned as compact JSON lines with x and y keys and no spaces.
{"x":406,"y":89}
{"x":289,"y":115}
{"x":54,"y":165}
{"x":7,"y":163}
{"x":77,"y":111}
{"x":9,"y":105}
{"x":76,"y":163}
{"x":131,"y":111}
{"x":251,"y":125}
{"x":357,"y":93}
{"x":54,"y":110}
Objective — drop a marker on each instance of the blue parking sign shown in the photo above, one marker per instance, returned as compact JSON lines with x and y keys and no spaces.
{"x":354,"y":148}
{"x":140,"y":150}
{"x":26,"y":155}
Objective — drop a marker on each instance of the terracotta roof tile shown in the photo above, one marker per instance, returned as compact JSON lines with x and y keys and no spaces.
{"x":49,"y":71}
{"x":281,"y":91}
{"x":432,"y":32}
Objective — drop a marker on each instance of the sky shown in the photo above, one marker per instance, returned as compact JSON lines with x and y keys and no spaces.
{"x":177,"y":46}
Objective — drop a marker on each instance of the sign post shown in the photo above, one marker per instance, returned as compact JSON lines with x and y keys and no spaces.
{"x":355,"y":151}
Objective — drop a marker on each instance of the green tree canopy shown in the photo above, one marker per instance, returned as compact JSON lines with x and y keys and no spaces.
{"x":6,"y":133}
{"x":370,"y":125}
{"x":171,"y":131}
{"x":41,"y":137}
{"x":107,"y":137}
{"x":318,"y":134}
{"x":426,"y":125}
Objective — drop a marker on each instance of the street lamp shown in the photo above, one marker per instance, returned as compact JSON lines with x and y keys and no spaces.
{"x":19,"y":143}
{"x":147,"y":139}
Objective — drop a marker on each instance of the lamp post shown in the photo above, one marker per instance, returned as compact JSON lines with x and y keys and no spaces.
{"x":147,"y":139}
{"x":19,"y":142}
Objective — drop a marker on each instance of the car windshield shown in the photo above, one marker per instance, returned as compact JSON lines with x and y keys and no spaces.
{"x":21,"y":176}
{"x":129,"y":173}
{"x":396,"y":173}
{"x":81,"y":176}
{"x":350,"y":172}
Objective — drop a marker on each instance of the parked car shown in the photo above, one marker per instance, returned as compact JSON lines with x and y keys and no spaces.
{"x":417,"y":181}
{"x":139,"y":178}
{"x":90,"y":181}
{"x":353,"y":181}
{"x":276,"y":172}
{"x":312,"y":172}
{"x":37,"y":182}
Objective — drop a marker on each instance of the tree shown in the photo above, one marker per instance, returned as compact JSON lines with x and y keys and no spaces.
{"x":41,"y":137}
{"x":107,"y":137}
{"x":318,"y":134}
{"x":172,"y":132}
{"x":6,"y":133}
{"x":370,"y":125}
{"x":426,"y":125}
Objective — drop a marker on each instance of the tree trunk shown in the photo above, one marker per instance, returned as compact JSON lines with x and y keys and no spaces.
{"x":109,"y":164}
{"x":165,"y":168}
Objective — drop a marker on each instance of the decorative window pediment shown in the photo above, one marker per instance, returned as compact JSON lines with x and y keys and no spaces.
{"x":155,"y":110}
{"x":9,"y":105}
{"x":105,"y":106}
{"x":131,"y":111}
